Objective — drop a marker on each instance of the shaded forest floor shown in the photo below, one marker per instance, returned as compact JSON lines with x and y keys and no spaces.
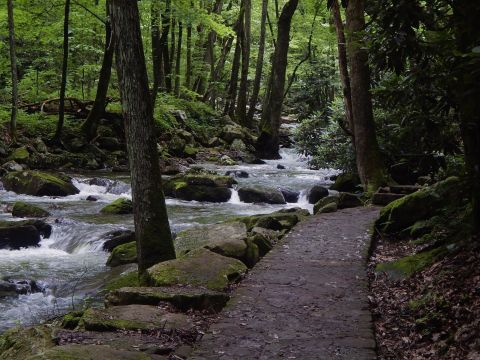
{"x":434,"y":314}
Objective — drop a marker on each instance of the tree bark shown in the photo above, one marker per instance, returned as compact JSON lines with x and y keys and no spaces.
{"x":152,"y":230}
{"x":343,"y":67}
{"x":14,"y":70}
{"x":268,"y":145}
{"x":63,"y":85}
{"x":172,"y":50}
{"x":167,"y":70}
{"x":259,"y":66}
{"x":245,"y":44}
{"x":369,"y":160}
{"x":91,"y":123}
{"x":467,"y":92}
{"x":178,"y":60}
{"x":157,"y":59}
{"x":188,"y":69}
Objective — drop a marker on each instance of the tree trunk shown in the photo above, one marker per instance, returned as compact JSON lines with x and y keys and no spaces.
{"x":14,"y":70}
{"x":268,"y":145}
{"x":178,"y":61}
{"x":91,"y":123}
{"x":343,"y":67}
{"x":157,"y":60}
{"x":245,"y":43}
{"x":167,"y":70}
{"x":172,"y":51}
{"x":259,"y":67}
{"x":369,"y":160}
{"x":63,"y":85}
{"x":188,"y":69}
{"x":467,"y":92}
{"x":152,"y":230}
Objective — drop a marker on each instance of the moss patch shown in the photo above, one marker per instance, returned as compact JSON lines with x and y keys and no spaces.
{"x":22,"y":209}
{"x":127,"y":280}
{"x":120,"y":206}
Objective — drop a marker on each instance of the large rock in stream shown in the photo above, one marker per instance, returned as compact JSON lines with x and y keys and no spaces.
{"x":199,"y":267}
{"x":15,"y":235}
{"x":24,"y":210}
{"x":200,"y":187}
{"x":261,"y":194}
{"x":38,"y":183}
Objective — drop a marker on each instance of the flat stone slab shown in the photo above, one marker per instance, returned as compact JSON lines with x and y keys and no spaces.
{"x":307,"y":298}
{"x":93,"y":352}
{"x":133,"y":317}
{"x":199,"y":267}
{"x":182,"y":297}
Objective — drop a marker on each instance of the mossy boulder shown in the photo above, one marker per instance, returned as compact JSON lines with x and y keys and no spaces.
{"x":71,"y":320}
{"x":38,"y":183}
{"x":199,"y":267}
{"x":120,"y":206}
{"x":129,"y":279}
{"x":200,"y":187}
{"x":88,"y":352}
{"x":316,"y":193}
{"x":20,"y":154}
{"x":346,"y":182}
{"x":279,"y":220}
{"x":261,"y":194}
{"x":133,"y":317}
{"x":23,"y":210}
{"x":329,"y":208}
{"x":324,"y":202}
{"x":123,"y":254}
{"x":21,"y":343}
{"x":407,"y":266}
{"x":421,"y":205}
{"x":182,"y":297}
{"x":349,"y":200}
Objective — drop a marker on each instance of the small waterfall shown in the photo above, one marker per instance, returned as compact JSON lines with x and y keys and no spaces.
{"x":235,"y":198}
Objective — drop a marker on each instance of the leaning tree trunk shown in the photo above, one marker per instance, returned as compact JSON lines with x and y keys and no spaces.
{"x":63,"y":85}
{"x":369,"y":160}
{"x":467,"y":92}
{"x":343,"y":68}
{"x":91,"y":123}
{"x":241,"y":111}
{"x":259,"y":67}
{"x":152,"y":230}
{"x":268,"y":144}
{"x":14,"y":70}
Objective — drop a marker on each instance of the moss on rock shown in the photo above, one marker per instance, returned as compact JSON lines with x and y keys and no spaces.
{"x":120,"y":206}
{"x":21,"y":343}
{"x":325,"y":201}
{"x":123,"y":254}
{"x":38,"y":183}
{"x":22,"y":209}
{"x":126,"y":280}
{"x":20,"y":154}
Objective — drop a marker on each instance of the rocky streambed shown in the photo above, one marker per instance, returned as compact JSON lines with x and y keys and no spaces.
{"x":68,"y":268}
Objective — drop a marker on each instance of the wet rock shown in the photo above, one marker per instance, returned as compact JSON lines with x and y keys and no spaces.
{"x":123,"y":254}
{"x":325,"y":201}
{"x":134,"y":317}
{"x":21,"y":234}
{"x":91,"y":198}
{"x":83,"y":352}
{"x":226,"y":160}
{"x":183,"y":298}
{"x":291,"y":196}
{"x":348,"y":200}
{"x":18,"y":287}
{"x":346,"y":182}
{"x":329,"y":208}
{"x":280,"y":167}
{"x":199,"y":267}
{"x":116,"y":238}
{"x":7,"y":289}
{"x":238,"y":145}
{"x":200,"y":187}
{"x":24,"y":210}
{"x":38,"y":183}
{"x":256,"y":161}
{"x":237,"y":174}
{"x":120,"y":206}
{"x":316,"y":193}
{"x":10,"y":166}
{"x":260,"y":194}
{"x":100,"y":182}
{"x":279,"y":220}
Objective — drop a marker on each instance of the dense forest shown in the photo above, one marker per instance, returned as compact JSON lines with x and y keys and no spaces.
{"x":381,"y":98}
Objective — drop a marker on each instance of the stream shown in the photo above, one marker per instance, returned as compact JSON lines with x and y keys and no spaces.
{"x":70,"y":265}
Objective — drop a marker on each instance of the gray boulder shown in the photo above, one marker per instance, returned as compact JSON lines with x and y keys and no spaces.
{"x":260,"y":194}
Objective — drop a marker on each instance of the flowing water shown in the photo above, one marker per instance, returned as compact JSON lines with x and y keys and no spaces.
{"x":70,"y":265}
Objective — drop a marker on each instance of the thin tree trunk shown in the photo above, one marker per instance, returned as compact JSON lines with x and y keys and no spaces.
{"x":157,"y":60}
{"x":259,"y":67}
{"x":245,"y":43}
{"x":466,"y":15}
{"x":14,"y":70}
{"x":91,"y":123}
{"x":188,"y":69}
{"x":172,"y":51}
{"x":63,"y":85}
{"x":178,"y":62}
{"x":268,"y":145}
{"x":164,"y":45}
{"x":369,"y":160}
{"x":343,"y":67}
{"x":152,"y":230}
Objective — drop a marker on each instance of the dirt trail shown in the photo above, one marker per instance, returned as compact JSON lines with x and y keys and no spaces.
{"x":307,"y":299}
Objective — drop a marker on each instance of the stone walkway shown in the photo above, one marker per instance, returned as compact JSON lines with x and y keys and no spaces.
{"x":307,"y":299}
